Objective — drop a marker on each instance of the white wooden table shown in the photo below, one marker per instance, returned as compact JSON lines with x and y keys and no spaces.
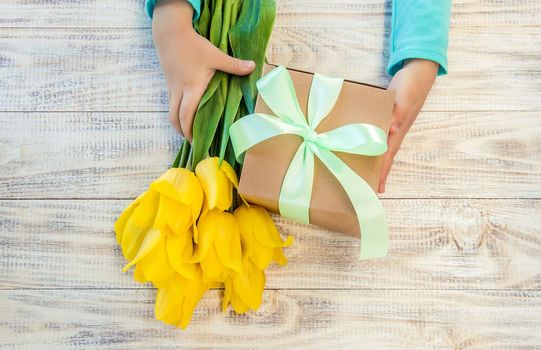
{"x":83,"y":130}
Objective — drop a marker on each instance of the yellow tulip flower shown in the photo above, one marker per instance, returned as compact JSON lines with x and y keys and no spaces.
{"x":261,"y":240}
{"x":156,"y":230}
{"x":177,"y":298}
{"x":244,"y":289}
{"x":219,"y":247}
{"x":217,"y":182}
{"x":137,"y":225}
{"x":181,"y":195}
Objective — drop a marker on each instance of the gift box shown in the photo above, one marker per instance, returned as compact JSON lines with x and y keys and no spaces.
{"x":267,"y":162}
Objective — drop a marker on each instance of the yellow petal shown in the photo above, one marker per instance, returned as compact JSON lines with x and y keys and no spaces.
{"x":216,"y":184}
{"x":246,"y":231}
{"x":218,"y":281}
{"x":230,"y":173}
{"x":238,"y":305}
{"x":259,"y":235}
{"x":228,"y":289}
{"x":249,"y":284}
{"x":120,"y":223}
{"x":181,"y":186}
{"x":227,"y":241}
{"x":179,"y":251}
{"x":176,"y":215}
{"x":219,"y":245}
{"x":262,"y":255}
{"x":215,"y":284}
{"x":145,"y":213}
{"x":174,"y":315}
{"x":132,"y":238}
{"x":194,"y":290}
{"x":279,"y":256}
{"x":169,"y":299}
{"x":138,"y":275}
{"x":155,"y":264}
{"x":152,"y":238}
{"x":266,"y":231}
{"x":207,"y":230}
{"x":138,"y":224}
{"x":212,"y":267}
{"x":204,"y":211}
{"x":161,"y":283}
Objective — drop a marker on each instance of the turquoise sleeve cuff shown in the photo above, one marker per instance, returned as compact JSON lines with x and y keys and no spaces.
{"x":419,"y":29}
{"x":196,"y":4}
{"x":396,"y":62}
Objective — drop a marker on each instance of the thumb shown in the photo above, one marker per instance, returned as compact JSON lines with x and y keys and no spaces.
{"x":231,"y":65}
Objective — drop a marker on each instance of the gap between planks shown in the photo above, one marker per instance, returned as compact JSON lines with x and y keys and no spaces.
{"x":288,"y":288}
{"x":382,"y":199}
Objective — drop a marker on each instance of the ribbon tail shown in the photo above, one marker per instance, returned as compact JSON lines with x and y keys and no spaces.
{"x":296,"y":191}
{"x":368,"y":208}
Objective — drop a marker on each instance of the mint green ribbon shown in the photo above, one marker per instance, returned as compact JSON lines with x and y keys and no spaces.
{"x":277,"y":90}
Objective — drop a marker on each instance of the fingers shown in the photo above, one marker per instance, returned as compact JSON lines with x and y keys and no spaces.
{"x":186,"y":114}
{"x":394,"y":129}
{"x":225,"y":63}
{"x":393,"y":144}
{"x":387,"y":163}
{"x":174,"y":107}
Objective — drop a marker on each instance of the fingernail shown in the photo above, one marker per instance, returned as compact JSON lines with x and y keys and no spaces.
{"x":248,"y":64}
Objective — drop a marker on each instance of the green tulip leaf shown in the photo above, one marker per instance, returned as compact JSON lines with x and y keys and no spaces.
{"x":249,"y":38}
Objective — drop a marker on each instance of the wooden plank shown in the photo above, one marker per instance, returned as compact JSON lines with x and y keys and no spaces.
{"x":290,"y":319}
{"x":116,"y":155}
{"x":117,"y":70}
{"x":82,"y":155}
{"x":435,"y":244}
{"x":480,"y":67}
{"x":299,"y":13}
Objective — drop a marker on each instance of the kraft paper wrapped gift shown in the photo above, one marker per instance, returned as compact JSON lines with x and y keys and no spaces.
{"x":266,"y":163}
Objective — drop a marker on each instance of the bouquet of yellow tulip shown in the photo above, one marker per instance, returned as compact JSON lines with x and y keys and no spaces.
{"x":188,"y":232}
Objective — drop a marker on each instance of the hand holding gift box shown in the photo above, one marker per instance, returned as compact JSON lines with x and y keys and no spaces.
{"x":322,"y":169}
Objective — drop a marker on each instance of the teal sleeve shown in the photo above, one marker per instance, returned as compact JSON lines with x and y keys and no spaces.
{"x":419,"y":29}
{"x":196,"y":4}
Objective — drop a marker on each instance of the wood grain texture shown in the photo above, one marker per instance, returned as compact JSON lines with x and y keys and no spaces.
{"x":116,"y":155}
{"x":117,"y":70}
{"x":435,"y":244}
{"x":83,"y":155}
{"x":289,"y":319}
{"x":298,"y":13}
{"x":83,"y":129}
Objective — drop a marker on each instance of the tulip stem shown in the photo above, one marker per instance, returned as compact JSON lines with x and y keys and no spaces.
{"x":180,"y":160}
{"x":177,"y":159}
{"x":189,"y":160}
{"x":226,"y":23}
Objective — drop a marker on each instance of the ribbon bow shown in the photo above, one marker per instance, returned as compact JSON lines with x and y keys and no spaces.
{"x":278,"y":92}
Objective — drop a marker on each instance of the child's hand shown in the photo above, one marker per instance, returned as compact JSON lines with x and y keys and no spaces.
{"x":188,"y":61}
{"x":412,"y":84}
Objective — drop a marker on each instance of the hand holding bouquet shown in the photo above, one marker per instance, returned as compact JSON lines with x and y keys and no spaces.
{"x":189,"y":231}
